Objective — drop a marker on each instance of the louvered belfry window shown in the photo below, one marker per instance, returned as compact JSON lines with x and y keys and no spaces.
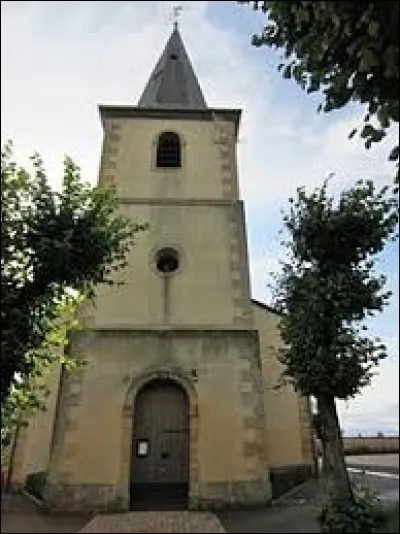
{"x":169,"y":150}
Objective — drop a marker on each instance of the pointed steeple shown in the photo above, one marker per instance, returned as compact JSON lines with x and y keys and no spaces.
{"x":173,"y":83}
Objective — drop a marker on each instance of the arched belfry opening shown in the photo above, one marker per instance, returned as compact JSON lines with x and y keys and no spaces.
{"x":169,"y":150}
{"x":160,"y":446}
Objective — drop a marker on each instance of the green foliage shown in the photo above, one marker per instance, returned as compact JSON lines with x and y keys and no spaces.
{"x":347,"y":50}
{"x":391,"y":522}
{"x":328,"y":288}
{"x":362,"y":514}
{"x":50,"y":243}
{"x":28,"y":393}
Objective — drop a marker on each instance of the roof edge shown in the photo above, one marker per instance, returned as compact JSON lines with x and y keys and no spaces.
{"x":267,"y":307}
{"x":126,"y":111}
{"x":143,"y":110}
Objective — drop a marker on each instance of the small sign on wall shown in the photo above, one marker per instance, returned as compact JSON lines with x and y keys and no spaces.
{"x":142,"y":448}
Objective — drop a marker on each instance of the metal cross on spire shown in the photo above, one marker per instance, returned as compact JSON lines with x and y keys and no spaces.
{"x":176,"y":13}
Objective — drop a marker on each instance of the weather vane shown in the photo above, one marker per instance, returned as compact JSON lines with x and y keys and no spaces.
{"x":176,"y":13}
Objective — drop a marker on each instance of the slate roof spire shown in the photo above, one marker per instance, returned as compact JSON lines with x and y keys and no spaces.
{"x":173,"y":83}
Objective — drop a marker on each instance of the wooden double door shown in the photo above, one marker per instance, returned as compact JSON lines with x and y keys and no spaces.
{"x":160,"y":447}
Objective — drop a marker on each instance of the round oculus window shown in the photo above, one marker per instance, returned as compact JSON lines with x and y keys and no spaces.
{"x":167,"y":261}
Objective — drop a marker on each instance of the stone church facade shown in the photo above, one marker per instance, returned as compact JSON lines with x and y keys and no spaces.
{"x":176,"y":400}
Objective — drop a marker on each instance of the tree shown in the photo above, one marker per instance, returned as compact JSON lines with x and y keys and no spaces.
{"x":50,"y":243}
{"x":349,"y":50}
{"x":29,"y":393}
{"x":326,"y":290}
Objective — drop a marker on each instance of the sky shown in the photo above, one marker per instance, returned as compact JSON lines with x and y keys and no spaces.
{"x":59,"y":60}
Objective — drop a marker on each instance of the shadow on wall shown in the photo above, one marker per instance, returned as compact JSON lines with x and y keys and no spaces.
{"x":283,"y":479}
{"x":35,"y":483}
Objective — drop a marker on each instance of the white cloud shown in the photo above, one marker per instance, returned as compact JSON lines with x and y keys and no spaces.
{"x":377,"y":408}
{"x":67,"y":61}
{"x":70,"y":56}
{"x":262,"y":268}
{"x":274,"y":163}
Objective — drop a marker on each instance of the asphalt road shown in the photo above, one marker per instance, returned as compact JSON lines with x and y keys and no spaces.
{"x":380,"y":472}
{"x":390,"y":461}
{"x":296,"y":511}
{"x":383,"y":463}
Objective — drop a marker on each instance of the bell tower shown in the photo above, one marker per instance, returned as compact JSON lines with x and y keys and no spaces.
{"x":172,"y":161}
{"x":170,"y":401}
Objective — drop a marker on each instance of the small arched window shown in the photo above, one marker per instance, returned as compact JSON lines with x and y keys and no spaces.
{"x":169,"y":150}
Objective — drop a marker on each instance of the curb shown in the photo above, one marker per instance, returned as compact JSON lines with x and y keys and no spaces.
{"x":32,"y":498}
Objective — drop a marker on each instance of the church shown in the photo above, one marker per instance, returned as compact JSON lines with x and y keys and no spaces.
{"x":176,"y":402}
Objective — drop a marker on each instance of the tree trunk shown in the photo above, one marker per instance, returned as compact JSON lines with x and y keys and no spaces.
{"x":334,"y":465}
{"x":10,"y":470}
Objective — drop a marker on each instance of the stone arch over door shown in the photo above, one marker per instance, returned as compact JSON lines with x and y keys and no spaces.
{"x":160,"y":405}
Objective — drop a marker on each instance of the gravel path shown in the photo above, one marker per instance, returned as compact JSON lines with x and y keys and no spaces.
{"x":155,"y":522}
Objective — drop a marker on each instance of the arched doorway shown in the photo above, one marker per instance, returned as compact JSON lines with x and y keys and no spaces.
{"x":160,"y":446}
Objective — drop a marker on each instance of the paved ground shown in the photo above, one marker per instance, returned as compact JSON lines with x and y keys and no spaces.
{"x":19,"y":514}
{"x":295,"y":512}
{"x":380,"y":472}
{"x":382,"y":463}
{"x":156,"y":522}
{"x":290,"y":518}
{"x":378,"y":460}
